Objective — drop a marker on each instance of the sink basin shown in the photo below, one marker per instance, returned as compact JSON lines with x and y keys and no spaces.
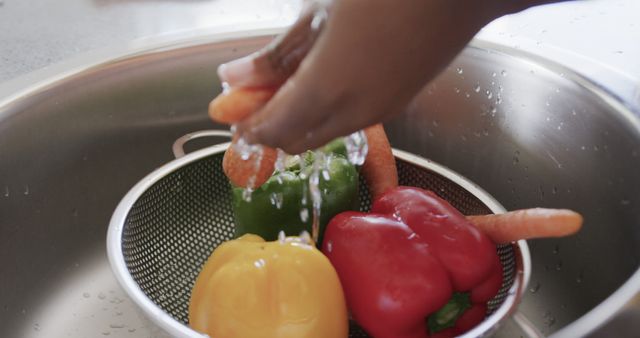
{"x":524,"y":129}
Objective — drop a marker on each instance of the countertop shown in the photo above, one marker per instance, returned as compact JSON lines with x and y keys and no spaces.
{"x":598,"y":38}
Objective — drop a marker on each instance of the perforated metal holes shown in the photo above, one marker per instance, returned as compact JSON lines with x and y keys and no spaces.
{"x":174,"y":226}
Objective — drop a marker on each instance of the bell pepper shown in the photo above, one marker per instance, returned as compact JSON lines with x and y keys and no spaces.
{"x":250,"y":288}
{"x":284,"y":201}
{"x":414,"y":266}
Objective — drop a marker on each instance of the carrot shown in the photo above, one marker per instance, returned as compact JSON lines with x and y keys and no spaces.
{"x":233,"y":106}
{"x":379,"y":168}
{"x":236,"y":104}
{"x":244,"y":173}
{"x":528,"y":223}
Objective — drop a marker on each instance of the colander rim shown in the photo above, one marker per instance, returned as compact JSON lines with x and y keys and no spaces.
{"x":177,"y":329}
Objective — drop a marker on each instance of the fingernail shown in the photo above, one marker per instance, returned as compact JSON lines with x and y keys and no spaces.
{"x":237,"y":71}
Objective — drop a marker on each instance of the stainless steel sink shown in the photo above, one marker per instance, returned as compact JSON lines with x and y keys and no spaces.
{"x":528,"y":132}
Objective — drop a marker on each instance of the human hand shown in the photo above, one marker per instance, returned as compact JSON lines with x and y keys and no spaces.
{"x":360,"y":66}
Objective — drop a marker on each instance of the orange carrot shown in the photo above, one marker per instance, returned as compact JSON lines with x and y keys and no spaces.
{"x":379,"y":168}
{"x":528,"y":223}
{"x":243,"y":173}
{"x":233,"y":106}
{"x":236,"y":104}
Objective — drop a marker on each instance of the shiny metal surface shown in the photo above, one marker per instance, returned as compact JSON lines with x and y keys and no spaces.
{"x":70,"y":149}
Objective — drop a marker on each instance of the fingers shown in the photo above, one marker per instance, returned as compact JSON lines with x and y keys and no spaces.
{"x":359,"y":72}
{"x":272,"y":65}
{"x":365,"y":67}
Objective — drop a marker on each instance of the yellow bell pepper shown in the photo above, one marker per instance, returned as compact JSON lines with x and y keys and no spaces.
{"x":283,"y":289}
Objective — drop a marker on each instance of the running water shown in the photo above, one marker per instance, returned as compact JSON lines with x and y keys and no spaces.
{"x":247,"y":151}
{"x":356,"y":146}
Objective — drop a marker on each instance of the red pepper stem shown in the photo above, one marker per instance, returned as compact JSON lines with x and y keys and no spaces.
{"x":447,"y":316}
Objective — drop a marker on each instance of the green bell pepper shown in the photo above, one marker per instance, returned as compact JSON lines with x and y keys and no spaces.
{"x":284,"y":202}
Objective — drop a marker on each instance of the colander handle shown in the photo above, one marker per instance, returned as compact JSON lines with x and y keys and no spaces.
{"x":178,"y":145}
{"x":527,"y":327}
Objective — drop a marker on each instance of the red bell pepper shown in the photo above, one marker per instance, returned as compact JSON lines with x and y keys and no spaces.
{"x":413,"y":267}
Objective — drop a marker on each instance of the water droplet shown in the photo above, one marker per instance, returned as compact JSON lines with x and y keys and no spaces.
{"x":554,"y":190}
{"x":36,"y":327}
{"x":560,"y":125}
{"x":580,"y":277}
{"x":329,"y":246}
{"x":6,"y":191}
{"x":246,"y":194}
{"x":279,"y":165}
{"x":116,"y":326}
{"x":498,"y":99}
{"x":485,"y":132}
{"x":304,"y":215}
{"x":583,"y":148}
{"x":326,"y":175}
{"x":559,"y":266}
{"x":101,"y":296}
{"x":106,"y":333}
{"x":596,"y":148}
{"x":86,"y":295}
{"x":547,"y":104}
{"x":132,"y":330}
{"x":489,"y":94}
{"x":550,"y":321}
{"x":456,"y":89}
{"x":573,"y":112}
{"x":260,"y":263}
{"x":23,"y":311}
{"x":548,"y":118}
{"x":26,"y":190}
{"x":535,"y":287}
{"x":625,"y":201}
{"x":503,"y":72}
{"x":476,"y":88}
{"x":357,"y":147}
{"x":281,"y":236}
{"x":556,"y":249}
{"x":467,"y":95}
{"x":459,"y":70}
{"x":435,"y":123}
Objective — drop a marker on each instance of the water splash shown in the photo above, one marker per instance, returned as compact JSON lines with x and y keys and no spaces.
{"x":276,"y":200}
{"x":357,"y":147}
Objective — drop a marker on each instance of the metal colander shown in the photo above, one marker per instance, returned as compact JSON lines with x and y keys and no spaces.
{"x":166,"y":227}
